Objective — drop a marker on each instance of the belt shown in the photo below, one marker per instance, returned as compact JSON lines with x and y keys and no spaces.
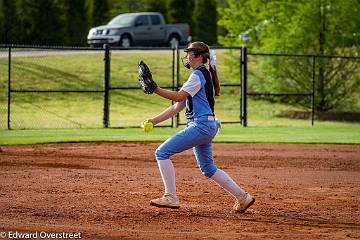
{"x":202,"y":118}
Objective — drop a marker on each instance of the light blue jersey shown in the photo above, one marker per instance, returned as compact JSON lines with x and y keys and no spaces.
{"x":200,"y":88}
{"x":201,"y":127}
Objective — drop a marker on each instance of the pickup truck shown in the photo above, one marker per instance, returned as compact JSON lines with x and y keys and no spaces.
{"x":139,"y":29}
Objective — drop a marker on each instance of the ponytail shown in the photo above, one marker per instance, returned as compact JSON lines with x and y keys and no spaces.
{"x":215,"y":80}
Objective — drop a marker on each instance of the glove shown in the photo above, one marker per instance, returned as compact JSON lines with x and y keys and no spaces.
{"x":147,"y":84}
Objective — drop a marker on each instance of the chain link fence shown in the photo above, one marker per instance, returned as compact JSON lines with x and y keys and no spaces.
{"x":298,"y":87}
{"x":51,"y":88}
{"x":61,"y":87}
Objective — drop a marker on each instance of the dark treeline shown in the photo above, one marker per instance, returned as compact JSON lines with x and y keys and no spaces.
{"x":67,"y":22}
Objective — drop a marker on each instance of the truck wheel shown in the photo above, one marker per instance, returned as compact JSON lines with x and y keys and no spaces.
{"x":125,"y":41}
{"x":173,"y":41}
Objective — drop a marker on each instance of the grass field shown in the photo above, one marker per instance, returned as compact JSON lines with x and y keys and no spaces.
{"x":322,"y":133}
{"x":55,"y":113}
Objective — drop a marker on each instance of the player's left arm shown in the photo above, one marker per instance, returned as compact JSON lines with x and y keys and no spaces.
{"x":168,"y":113}
{"x":171,"y":95}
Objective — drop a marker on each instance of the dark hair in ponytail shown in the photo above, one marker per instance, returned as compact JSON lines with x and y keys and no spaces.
{"x":215,"y":80}
{"x":203,"y":50}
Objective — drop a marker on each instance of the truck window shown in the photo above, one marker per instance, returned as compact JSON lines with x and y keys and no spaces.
{"x":142,"y":20}
{"x":123,"y":20}
{"x":155,"y":19}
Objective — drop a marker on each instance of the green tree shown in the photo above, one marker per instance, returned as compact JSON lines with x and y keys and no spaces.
{"x":41,"y":22}
{"x":100,"y":12}
{"x":156,"y":6}
{"x":180,"y":11}
{"x":316,"y":27}
{"x":205,"y":21}
{"x":8,"y":22}
{"x":240,"y":18}
{"x":76,"y":22}
{"x":124,"y":6}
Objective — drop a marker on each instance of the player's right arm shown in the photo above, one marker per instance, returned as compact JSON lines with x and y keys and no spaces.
{"x":169,"y":112}
{"x":171,"y":95}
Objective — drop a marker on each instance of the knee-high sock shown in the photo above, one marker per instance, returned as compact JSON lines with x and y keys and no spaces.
{"x":168,"y":175}
{"x":226,"y":182}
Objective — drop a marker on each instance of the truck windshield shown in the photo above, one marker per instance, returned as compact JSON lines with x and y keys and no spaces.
{"x":124,"y":20}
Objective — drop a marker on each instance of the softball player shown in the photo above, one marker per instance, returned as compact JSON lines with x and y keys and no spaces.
{"x":197,"y":96}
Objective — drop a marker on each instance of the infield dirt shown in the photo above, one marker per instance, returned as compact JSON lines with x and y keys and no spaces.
{"x":102,"y":190}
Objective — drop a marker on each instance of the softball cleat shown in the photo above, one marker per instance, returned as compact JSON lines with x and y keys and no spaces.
{"x":166,"y":201}
{"x":242,"y":204}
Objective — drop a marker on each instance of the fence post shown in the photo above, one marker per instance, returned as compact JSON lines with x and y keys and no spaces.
{"x":173,"y":83}
{"x":106,"y":85}
{"x":9,"y":90}
{"x":177,"y":82}
{"x":243,"y":81}
{"x":313,"y":90}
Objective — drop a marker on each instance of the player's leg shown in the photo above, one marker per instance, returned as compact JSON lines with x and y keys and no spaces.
{"x":169,"y":199}
{"x":183,"y":140}
{"x":243,"y":199}
{"x":205,"y":161}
